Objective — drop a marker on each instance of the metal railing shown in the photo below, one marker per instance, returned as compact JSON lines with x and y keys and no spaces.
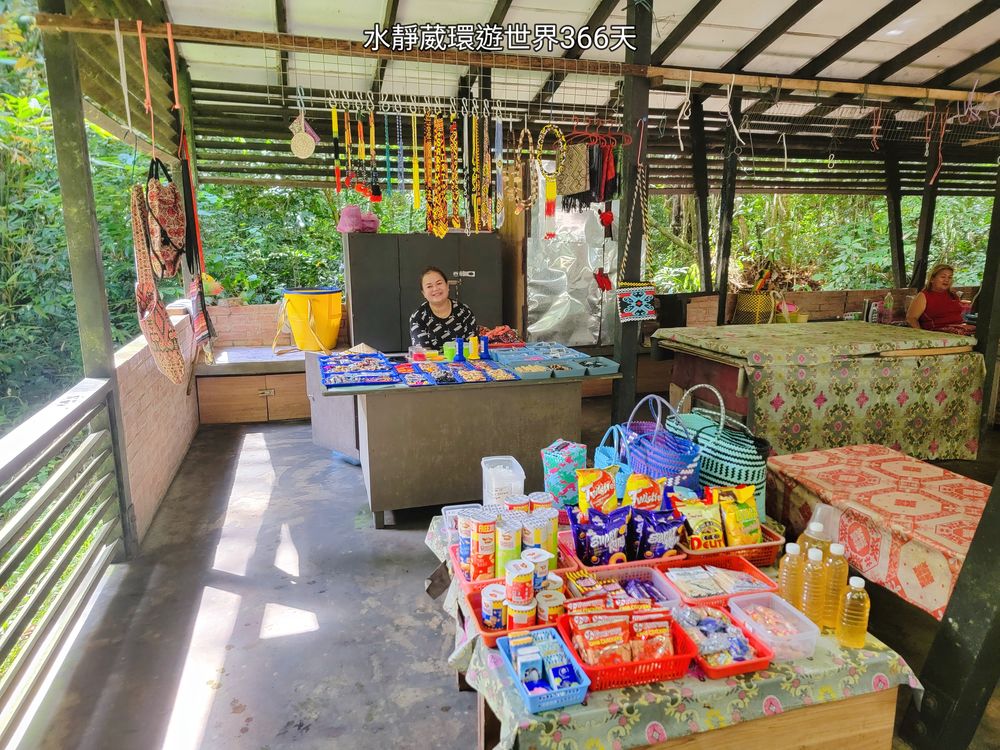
{"x":61,"y":528}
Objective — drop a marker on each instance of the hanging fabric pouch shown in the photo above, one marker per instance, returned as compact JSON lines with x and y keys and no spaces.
{"x":166,"y":221}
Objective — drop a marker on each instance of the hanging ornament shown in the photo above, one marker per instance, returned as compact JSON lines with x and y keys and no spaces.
{"x":550,"y":177}
{"x":524,"y":169}
{"x":335,"y":121}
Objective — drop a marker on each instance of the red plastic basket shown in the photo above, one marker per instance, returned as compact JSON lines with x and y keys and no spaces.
{"x":635,"y":672}
{"x":763,"y":660}
{"x":763,"y":555}
{"x":565,"y":563}
{"x":617,"y":573}
{"x":729,"y":563}
{"x":490,"y":637}
{"x":567,"y":551}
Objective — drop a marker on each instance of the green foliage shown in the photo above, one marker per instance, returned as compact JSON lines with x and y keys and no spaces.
{"x":815,"y":241}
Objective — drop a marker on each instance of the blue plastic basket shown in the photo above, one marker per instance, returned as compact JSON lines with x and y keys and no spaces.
{"x":553,"y":699}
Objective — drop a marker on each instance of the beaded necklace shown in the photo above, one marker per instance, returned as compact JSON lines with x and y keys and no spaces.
{"x":347,"y":147}
{"x":440,"y":202}
{"x":456,"y":219}
{"x":524,"y":166}
{"x":400,"y":166}
{"x":388,"y":162}
{"x":415,"y":163}
{"x":335,"y":121}
{"x":475,"y":173}
{"x":498,"y":193}
{"x":486,"y":181}
{"x":374,"y":190}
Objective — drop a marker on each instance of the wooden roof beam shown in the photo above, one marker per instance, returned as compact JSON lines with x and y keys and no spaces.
{"x":388,"y":21}
{"x":968,"y":65}
{"x":769,"y":35}
{"x":682,"y":30}
{"x":499,"y":13}
{"x":935,"y":39}
{"x":597,"y":18}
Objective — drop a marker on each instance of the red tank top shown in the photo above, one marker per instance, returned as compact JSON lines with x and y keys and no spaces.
{"x":942,"y":310}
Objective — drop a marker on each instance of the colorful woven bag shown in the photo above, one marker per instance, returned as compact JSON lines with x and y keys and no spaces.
{"x":655,"y":451}
{"x":730,"y":454}
{"x":615,"y":454}
{"x":154,"y":321}
{"x":560,"y":462}
{"x":167,"y":225}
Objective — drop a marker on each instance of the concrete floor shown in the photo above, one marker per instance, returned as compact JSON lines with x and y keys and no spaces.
{"x":256,"y":614}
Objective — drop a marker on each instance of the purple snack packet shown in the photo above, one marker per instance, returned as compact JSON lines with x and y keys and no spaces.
{"x":601,"y":540}
{"x":656,"y":533}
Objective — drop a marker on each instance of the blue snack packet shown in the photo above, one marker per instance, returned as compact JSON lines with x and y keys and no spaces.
{"x":602,"y":539}
{"x":654,"y":533}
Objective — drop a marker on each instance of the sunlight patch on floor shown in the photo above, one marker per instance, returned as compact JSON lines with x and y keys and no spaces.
{"x":204,"y":664}
{"x":286,"y":557}
{"x":250,"y":496}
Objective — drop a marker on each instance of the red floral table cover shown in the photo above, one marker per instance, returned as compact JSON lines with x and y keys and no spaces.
{"x":905,"y":524}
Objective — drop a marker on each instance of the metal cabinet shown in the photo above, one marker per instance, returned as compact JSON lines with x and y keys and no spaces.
{"x":383,"y":281}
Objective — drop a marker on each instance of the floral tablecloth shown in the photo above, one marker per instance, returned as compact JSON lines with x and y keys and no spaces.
{"x":807,"y":343}
{"x":905,"y":524}
{"x":810,"y":388}
{"x":643,"y":715}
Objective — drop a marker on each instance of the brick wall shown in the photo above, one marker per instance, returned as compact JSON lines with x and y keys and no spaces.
{"x":254,"y":325}
{"x":160,"y":420}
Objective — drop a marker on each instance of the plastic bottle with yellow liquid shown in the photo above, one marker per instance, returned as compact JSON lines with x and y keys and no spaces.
{"x":814,"y":537}
{"x":853,"y":625}
{"x":836,"y":582}
{"x":814,"y":587}
{"x":790,"y":575}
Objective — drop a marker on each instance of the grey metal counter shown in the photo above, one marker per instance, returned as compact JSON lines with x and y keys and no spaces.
{"x":422,"y":446}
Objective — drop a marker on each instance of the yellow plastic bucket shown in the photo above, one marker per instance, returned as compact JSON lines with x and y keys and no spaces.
{"x":314,"y":316}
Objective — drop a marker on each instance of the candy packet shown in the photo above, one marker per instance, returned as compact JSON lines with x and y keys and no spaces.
{"x":601,"y":539}
{"x":653,"y":533}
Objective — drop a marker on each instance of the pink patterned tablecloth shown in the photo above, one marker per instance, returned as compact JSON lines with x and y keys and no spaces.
{"x":906,"y":524}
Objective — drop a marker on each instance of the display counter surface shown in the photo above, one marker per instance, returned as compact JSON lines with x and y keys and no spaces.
{"x":805,"y":343}
{"x":813,"y":386}
{"x":360,"y":390}
{"x":647,"y":715}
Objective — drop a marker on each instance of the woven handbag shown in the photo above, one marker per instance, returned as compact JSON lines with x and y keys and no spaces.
{"x":730,"y":454}
{"x":655,"y":451}
{"x":753,"y":307}
{"x":154,"y":321}
{"x":615,"y":454}
{"x":167,"y":224}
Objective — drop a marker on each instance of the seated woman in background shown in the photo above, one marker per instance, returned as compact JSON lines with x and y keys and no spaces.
{"x":937,"y":307}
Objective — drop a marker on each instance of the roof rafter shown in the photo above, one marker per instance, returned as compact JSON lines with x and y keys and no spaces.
{"x":597,"y":18}
{"x":496,"y":17}
{"x":682,"y":30}
{"x":769,"y":35}
{"x":388,"y":21}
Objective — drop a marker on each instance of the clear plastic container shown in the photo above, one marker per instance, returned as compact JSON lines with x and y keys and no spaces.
{"x":502,"y":477}
{"x":786,"y":647}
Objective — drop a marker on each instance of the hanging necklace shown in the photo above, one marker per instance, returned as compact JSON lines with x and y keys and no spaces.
{"x":498,"y":192}
{"x":456,"y":219}
{"x":440,"y":191}
{"x":388,"y":163}
{"x":374,"y":190}
{"x":349,"y":181}
{"x":335,"y":121}
{"x":415,"y":163}
{"x":526,"y":169}
{"x":399,"y":151}
{"x":486,"y":181}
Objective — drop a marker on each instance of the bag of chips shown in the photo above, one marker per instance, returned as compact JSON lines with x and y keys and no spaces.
{"x":601,"y":538}
{"x":653,"y":533}
{"x":597,"y":490}
{"x":703,"y":525}
{"x":642,"y":492}
{"x":605,"y":644}
{"x":739,"y":514}
{"x":651,"y":639}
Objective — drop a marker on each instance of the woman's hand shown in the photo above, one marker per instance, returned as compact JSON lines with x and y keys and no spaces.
{"x":917,"y":307}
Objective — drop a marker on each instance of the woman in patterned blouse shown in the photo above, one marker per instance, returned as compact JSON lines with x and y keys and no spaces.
{"x":440,"y":318}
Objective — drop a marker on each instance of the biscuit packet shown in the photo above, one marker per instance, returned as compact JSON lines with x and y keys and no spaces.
{"x":605,"y":644}
{"x":651,"y":639}
{"x":703,"y":524}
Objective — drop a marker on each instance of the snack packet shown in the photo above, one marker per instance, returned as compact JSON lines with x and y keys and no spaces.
{"x":695,"y":582}
{"x":653,"y":533}
{"x":642,"y":493}
{"x":601,"y":540}
{"x":596,"y":489}
{"x":739,"y":514}
{"x":605,"y":644}
{"x":651,"y":639}
{"x":703,"y":525}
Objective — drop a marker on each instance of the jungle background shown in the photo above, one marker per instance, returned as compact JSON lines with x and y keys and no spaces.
{"x":258,"y":240}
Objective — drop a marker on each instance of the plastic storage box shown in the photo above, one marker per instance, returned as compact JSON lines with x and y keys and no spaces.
{"x":449,"y":529}
{"x":599,"y":366}
{"x":554,"y":698}
{"x":729,"y":563}
{"x":785,"y":647}
{"x":502,"y":477}
{"x":527,"y":371}
{"x":566,"y":368}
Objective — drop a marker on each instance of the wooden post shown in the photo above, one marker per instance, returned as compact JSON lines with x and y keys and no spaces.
{"x":926,"y":226}
{"x":962,"y":668}
{"x":699,"y":164}
{"x":636,"y":105}
{"x":893,"y":198}
{"x":988,"y":306}
{"x":83,"y":243}
{"x":727,"y":203}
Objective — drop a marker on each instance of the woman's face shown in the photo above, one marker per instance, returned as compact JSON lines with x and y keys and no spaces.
{"x":941,"y":281}
{"x":434,"y":287}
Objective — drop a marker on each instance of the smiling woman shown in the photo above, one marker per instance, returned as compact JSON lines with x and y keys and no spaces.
{"x":439,"y":318}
